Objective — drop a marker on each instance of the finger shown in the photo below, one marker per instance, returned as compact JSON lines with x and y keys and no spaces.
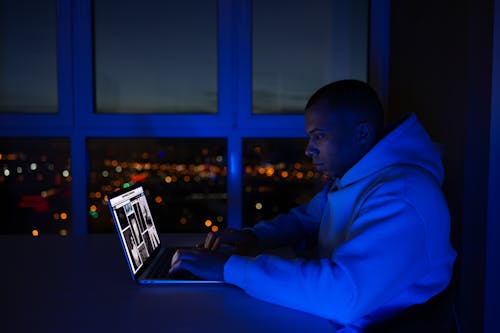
{"x":175,"y":267}
{"x":178,"y":254}
{"x":175,"y":258}
{"x":181,"y":264}
{"x":184,"y":254}
{"x":209,"y":240}
{"x":216,"y":244}
{"x":183,"y":261}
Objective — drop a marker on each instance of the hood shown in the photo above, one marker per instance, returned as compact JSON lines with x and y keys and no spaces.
{"x":408,"y":143}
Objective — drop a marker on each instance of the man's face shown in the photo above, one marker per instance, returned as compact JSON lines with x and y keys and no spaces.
{"x":332,"y":145}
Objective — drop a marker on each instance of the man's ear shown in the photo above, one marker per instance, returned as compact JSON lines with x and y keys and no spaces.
{"x":365,"y":134}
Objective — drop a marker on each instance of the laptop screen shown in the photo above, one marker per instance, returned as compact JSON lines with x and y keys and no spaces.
{"x":135,"y":225}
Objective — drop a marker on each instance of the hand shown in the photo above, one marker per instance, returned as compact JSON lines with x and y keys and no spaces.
{"x":231,"y":241}
{"x":203,"y":263}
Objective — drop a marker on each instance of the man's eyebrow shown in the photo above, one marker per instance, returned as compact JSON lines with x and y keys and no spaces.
{"x":314,"y":130}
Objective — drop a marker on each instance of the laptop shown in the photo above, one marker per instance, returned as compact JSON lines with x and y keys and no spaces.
{"x":148,"y":259}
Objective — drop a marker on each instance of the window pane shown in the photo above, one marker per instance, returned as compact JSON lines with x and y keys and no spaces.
{"x":35,"y":186}
{"x":277,"y":176}
{"x":301,"y":45}
{"x":28,"y":63}
{"x":185,"y":180}
{"x":155,"y":56}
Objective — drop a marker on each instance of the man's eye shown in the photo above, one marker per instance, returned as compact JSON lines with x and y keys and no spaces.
{"x":319,"y":136}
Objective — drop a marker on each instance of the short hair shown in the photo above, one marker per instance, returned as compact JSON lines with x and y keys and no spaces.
{"x":351,"y":95}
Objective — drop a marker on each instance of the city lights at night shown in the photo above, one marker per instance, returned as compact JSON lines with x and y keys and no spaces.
{"x":187,"y":190}
{"x":35,"y":186}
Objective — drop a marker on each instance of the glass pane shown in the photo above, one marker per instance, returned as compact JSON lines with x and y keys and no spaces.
{"x":155,"y":56}
{"x":35,"y":186}
{"x":184,"y":179}
{"x":299,"y":46}
{"x":277,"y":176}
{"x":28,"y":62}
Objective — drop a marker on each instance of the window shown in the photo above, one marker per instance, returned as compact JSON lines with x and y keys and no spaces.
{"x":185,"y":180}
{"x":157,"y":91}
{"x":155,"y":56}
{"x":298,"y":46}
{"x":28,"y":65}
{"x":277,"y":176}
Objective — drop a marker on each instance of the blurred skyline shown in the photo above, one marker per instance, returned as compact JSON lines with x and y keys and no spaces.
{"x":185,"y":181}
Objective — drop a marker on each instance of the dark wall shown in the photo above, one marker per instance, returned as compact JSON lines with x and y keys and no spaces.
{"x":428,"y":76}
{"x":440,"y":69}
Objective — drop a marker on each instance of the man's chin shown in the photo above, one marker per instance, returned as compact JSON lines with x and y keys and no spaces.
{"x":322,"y":170}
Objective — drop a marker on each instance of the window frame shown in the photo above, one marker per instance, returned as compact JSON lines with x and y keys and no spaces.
{"x":234,"y":121}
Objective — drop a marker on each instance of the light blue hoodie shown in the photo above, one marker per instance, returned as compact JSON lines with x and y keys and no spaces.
{"x":382,"y":232}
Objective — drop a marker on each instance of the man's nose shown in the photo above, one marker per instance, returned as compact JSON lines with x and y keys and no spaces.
{"x":311,"y":150}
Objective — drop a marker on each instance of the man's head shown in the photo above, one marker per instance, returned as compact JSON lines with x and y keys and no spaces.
{"x":344,"y":119}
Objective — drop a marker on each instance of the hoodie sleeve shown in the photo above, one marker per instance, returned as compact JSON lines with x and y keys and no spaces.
{"x":287,"y":229}
{"x":383,"y":255}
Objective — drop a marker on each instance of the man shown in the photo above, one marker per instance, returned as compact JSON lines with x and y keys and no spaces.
{"x":381,"y":224}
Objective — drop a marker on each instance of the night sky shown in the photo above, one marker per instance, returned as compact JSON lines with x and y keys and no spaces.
{"x":161,"y":56}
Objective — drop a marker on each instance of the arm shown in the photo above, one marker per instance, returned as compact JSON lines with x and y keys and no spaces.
{"x":383,"y":255}
{"x":209,"y":258}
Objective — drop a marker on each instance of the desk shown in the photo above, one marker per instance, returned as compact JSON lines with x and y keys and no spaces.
{"x":82,"y":284}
